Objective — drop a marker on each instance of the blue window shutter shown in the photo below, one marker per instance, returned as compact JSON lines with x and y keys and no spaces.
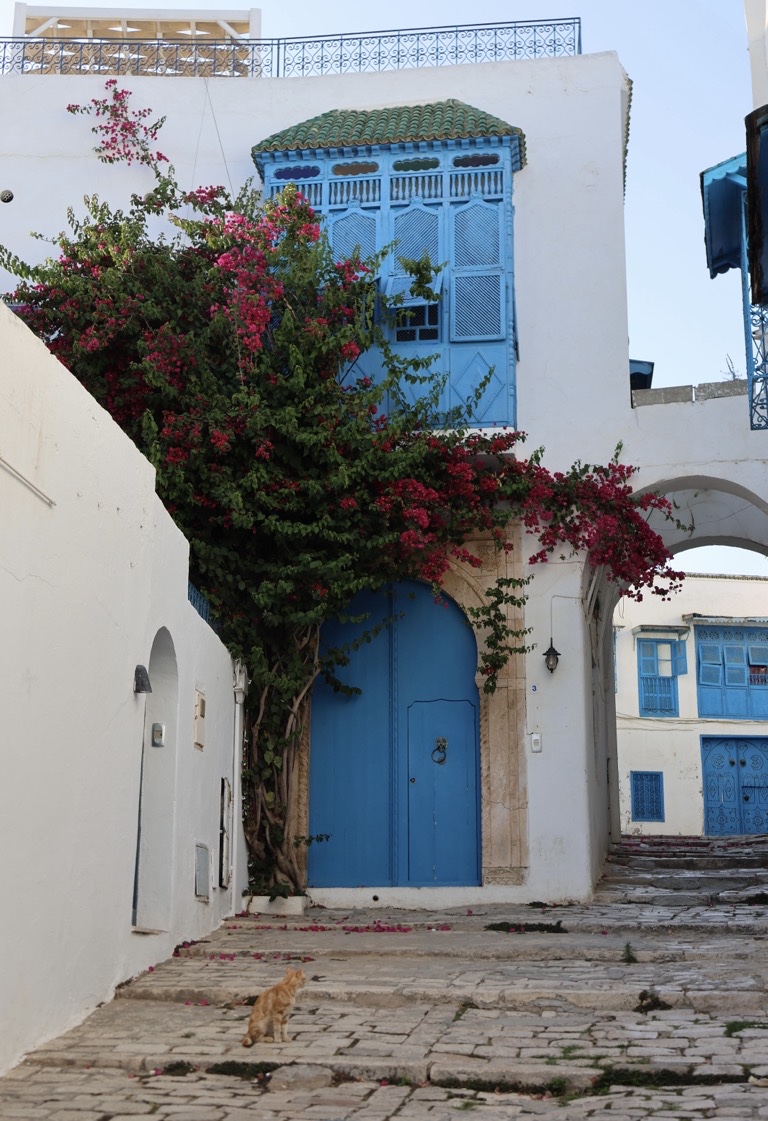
{"x":478,"y":288}
{"x":679,"y":659}
{"x":735,"y":658}
{"x":477,"y":236}
{"x":352,"y":230}
{"x":417,"y":232}
{"x":647,"y":795}
{"x":710,"y":675}
{"x":646,"y":655}
{"x":477,"y":306}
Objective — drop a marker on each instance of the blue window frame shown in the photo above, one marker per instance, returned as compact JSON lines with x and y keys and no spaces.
{"x":660,"y":661}
{"x":732,"y":669}
{"x":647,"y":794}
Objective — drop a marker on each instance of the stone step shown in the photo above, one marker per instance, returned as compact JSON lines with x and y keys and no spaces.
{"x":706,"y":880}
{"x":686,"y":871}
{"x":442,"y":1046}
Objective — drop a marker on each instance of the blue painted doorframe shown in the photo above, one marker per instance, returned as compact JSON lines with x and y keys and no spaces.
{"x":394,"y":771}
{"x":735,"y":774}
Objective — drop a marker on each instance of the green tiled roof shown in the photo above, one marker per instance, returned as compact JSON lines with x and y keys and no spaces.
{"x":351,"y":128}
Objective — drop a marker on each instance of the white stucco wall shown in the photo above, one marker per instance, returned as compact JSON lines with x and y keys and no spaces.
{"x":91,"y":569}
{"x":673,"y":746}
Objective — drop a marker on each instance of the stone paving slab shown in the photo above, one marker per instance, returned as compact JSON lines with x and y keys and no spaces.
{"x":470,"y":1021}
{"x":52,"y":1095}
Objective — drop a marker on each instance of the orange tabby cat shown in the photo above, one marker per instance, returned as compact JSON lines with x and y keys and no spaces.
{"x":274,"y":1005}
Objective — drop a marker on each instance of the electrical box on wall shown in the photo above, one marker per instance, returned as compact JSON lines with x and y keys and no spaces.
{"x":199,"y":719}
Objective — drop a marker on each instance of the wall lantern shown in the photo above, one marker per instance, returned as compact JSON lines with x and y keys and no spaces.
{"x":141,"y":680}
{"x":551,"y":657}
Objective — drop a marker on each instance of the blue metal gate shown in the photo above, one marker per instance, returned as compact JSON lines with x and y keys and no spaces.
{"x":735,"y":774}
{"x":394,"y":770}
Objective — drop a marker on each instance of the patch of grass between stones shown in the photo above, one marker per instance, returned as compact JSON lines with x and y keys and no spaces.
{"x":528,"y":927}
{"x":630,"y":1076}
{"x":463,"y":1007}
{"x":733,"y":1026}
{"x":603,"y":1082}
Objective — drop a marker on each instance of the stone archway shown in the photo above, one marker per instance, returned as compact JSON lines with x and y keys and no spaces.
{"x":711,"y":510}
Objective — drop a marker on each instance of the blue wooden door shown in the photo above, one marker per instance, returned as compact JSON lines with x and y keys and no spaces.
{"x":394,"y":769}
{"x":442,"y":793}
{"x":735,"y":773}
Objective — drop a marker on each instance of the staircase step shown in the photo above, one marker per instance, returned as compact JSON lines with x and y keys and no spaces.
{"x":686,"y":871}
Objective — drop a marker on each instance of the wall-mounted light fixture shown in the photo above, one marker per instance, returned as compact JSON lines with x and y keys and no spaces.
{"x":141,"y":680}
{"x":551,"y":657}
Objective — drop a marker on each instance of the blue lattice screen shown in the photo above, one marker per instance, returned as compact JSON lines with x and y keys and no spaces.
{"x":416,"y":234}
{"x":352,"y":230}
{"x":647,"y":793}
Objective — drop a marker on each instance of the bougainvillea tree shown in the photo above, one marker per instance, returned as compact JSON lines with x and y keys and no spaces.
{"x":226,"y":349}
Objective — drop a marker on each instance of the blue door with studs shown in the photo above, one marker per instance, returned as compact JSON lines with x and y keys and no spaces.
{"x":735,"y":773}
{"x":394,"y":769}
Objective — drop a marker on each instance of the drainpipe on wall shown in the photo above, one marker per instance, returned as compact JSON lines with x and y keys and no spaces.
{"x":239,"y":685}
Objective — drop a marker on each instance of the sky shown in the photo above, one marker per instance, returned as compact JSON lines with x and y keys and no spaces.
{"x":689,"y":65}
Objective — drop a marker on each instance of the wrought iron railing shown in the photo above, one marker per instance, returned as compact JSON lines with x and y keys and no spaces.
{"x":296,"y":57}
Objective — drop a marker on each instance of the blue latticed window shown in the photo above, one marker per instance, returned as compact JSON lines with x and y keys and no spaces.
{"x":432,"y":180}
{"x":659,"y":662}
{"x":732,"y":672}
{"x":647,"y":794}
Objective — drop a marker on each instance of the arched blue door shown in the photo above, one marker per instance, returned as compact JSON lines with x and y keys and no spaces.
{"x":394,"y":770}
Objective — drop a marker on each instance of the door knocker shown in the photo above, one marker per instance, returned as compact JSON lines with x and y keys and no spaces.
{"x":441,"y":747}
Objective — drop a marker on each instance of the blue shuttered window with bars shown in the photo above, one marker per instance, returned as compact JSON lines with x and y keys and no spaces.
{"x":732,"y":666}
{"x":660,"y":662}
{"x":647,"y":795}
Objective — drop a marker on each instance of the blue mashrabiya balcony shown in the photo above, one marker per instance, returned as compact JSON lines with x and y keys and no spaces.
{"x":435,"y":180}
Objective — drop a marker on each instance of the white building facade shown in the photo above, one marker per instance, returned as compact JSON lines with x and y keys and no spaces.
{"x":566,"y":227}
{"x":692,"y":709}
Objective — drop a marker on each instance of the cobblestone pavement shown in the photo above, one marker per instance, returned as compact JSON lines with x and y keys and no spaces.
{"x":618,"y":1010}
